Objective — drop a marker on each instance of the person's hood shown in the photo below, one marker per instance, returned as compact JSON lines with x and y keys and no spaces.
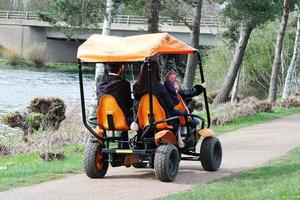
{"x":108,"y":84}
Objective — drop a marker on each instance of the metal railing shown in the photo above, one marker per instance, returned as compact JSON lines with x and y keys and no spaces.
{"x":19,"y":15}
{"x":207,"y":20}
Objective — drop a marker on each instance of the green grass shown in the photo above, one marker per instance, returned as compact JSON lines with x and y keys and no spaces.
{"x":28,"y":169}
{"x":279,"y":180}
{"x":255,"y":119}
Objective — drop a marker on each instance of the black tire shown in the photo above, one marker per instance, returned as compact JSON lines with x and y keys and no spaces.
{"x":95,"y":163}
{"x":211,"y":154}
{"x":166,"y":162}
{"x":140,"y":165}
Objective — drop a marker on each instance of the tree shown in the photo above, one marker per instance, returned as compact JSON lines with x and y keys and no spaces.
{"x":100,"y":68}
{"x":11,"y":5}
{"x":295,"y":59}
{"x":248,"y":15}
{"x":153,"y":15}
{"x":194,"y":42}
{"x":180,"y":10}
{"x":69,"y":15}
{"x":38,"y":5}
{"x":278,"y":50}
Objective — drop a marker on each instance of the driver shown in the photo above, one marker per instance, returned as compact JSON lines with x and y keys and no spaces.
{"x":113,"y":84}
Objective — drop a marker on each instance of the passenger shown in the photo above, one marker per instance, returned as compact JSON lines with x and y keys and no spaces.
{"x":140,"y":88}
{"x":113,"y":84}
{"x":174,"y":87}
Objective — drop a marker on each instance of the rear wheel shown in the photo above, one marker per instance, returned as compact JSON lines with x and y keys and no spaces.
{"x":95,"y":162}
{"x":166,"y":162}
{"x":211,"y":154}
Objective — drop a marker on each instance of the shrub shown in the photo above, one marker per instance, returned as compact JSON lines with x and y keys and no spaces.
{"x":34,"y":120}
{"x":288,"y":103}
{"x":2,"y":49}
{"x":36,"y":54}
{"x":263,"y":107}
{"x":227,"y":112}
{"x":48,"y":156}
{"x":12,"y":57}
{"x":4,"y":151}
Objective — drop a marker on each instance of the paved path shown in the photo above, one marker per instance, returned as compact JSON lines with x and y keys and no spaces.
{"x":243,"y":149}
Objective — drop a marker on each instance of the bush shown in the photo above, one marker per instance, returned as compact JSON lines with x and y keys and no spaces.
{"x":36,"y":54}
{"x":288,"y":103}
{"x":2,"y":49}
{"x":4,"y":151}
{"x":12,"y":57}
{"x":263,"y":107}
{"x":34,"y":120}
{"x":227,"y":112}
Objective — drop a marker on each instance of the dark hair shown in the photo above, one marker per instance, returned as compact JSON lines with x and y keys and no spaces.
{"x":114,"y":67}
{"x":141,"y":86}
{"x":143,"y":78}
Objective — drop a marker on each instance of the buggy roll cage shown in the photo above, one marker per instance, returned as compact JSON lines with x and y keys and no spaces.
{"x":152,"y":123}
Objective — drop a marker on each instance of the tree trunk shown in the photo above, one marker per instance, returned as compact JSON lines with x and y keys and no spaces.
{"x":235,"y":87}
{"x":99,"y":71}
{"x":153,"y":16}
{"x":108,"y":18}
{"x":291,"y":70}
{"x":194,"y":41}
{"x":235,"y":65}
{"x":277,"y":58}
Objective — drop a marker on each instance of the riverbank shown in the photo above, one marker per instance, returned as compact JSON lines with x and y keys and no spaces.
{"x":35,"y":170}
{"x":56,"y":67}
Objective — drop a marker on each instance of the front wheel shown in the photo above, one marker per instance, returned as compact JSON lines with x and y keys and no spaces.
{"x":166,"y":162}
{"x":211,"y":154}
{"x":95,"y":162}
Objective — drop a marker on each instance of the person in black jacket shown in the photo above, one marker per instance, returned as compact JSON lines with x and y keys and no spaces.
{"x":113,"y":84}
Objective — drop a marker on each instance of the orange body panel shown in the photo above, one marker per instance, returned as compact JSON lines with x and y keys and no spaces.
{"x":206,"y":132}
{"x":159,"y":113}
{"x":109,"y":106}
{"x":182,"y":107}
{"x":165,"y":136}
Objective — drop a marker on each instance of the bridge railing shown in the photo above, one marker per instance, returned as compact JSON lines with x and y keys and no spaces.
{"x":19,"y":15}
{"x":206,"y":20}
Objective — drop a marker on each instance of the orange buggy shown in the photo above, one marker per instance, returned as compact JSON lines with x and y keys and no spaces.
{"x":157,"y":144}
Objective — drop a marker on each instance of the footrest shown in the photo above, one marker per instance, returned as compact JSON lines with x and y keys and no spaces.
{"x":124,"y":151}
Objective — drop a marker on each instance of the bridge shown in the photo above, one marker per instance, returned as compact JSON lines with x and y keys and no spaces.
{"x":19,"y":30}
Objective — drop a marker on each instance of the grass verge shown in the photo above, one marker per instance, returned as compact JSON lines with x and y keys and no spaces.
{"x":28,"y":169}
{"x":279,"y":180}
{"x":255,"y":119}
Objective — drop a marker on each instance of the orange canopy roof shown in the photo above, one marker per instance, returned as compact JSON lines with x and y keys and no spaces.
{"x":100,"y":48}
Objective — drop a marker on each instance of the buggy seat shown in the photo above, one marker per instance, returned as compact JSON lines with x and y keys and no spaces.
{"x":110,"y":115}
{"x":159,"y":113}
{"x":182,"y":107}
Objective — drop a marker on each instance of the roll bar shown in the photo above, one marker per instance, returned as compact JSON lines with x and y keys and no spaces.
{"x":83,"y":103}
{"x":204,"y":89}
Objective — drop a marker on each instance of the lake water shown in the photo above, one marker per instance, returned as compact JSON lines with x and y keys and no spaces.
{"x":18,"y":87}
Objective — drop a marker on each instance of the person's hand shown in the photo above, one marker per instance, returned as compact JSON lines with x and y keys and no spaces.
{"x":203,"y":85}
